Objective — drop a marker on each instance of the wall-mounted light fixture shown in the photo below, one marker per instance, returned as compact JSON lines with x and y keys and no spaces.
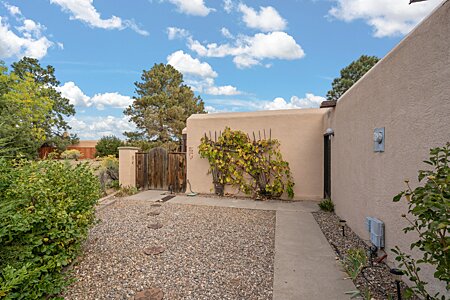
{"x":329,"y":131}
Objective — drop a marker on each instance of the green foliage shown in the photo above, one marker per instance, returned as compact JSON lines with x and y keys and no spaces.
{"x":162,"y":106}
{"x":46,"y":210}
{"x":109,"y":171}
{"x":108,"y":145}
{"x":71,"y":154}
{"x":127,"y":191}
{"x":326,"y":205}
{"x":429,"y":204}
{"x":23,"y":113}
{"x":355,"y":261}
{"x":256,"y":167}
{"x":32,"y":111}
{"x":55,"y":123}
{"x":350,"y":75}
{"x":365,"y":294}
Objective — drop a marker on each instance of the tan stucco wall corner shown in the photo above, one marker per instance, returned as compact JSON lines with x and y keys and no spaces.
{"x":127,"y":166}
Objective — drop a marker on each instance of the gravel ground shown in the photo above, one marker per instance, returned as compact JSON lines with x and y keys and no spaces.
{"x":209,"y":253}
{"x":376,"y":278}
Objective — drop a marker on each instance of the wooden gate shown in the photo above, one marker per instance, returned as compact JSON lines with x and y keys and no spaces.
{"x":161,"y":170}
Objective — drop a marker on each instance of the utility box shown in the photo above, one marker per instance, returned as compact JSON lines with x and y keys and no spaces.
{"x":375,"y":228}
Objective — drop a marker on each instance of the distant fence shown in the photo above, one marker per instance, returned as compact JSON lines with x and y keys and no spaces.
{"x":87,"y":152}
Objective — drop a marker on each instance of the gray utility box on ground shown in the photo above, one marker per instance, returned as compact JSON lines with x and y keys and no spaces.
{"x":376,"y":231}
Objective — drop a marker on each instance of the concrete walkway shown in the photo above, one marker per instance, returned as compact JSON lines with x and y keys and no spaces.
{"x":305,"y":265}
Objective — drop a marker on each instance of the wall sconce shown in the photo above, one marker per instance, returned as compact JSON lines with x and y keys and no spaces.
{"x":397,"y":274}
{"x":342,"y":224}
{"x":329,"y":132}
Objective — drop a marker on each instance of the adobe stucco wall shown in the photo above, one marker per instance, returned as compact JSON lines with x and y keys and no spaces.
{"x":299,"y":132}
{"x":408,"y":93}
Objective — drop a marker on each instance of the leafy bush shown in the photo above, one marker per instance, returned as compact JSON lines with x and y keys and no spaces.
{"x":108,"y":145}
{"x":326,"y":205}
{"x":109,"y":171}
{"x":429,"y":204}
{"x":256,"y":167}
{"x":71,"y":154}
{"x":46,"y":210}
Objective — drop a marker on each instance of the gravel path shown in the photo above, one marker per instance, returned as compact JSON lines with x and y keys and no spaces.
{"x":209,"y":253}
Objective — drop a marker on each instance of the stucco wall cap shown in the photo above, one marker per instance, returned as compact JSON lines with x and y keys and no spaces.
{"x":129,"y":148}
{"x":284,"y":112}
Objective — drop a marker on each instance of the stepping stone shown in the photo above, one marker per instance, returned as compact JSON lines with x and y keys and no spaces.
{"x":156,"y":205}
{"x":155,"y":250}
{"x":153,"y":213}
{"x":149,"y":294}
{"x":155,"y":226}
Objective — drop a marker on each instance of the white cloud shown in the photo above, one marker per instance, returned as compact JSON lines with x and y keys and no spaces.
{"x":227,"y":90}
{"x":228,"y":5}
{"x":250,"y":50}
{"x":267,"y":19}
{"x":309,"y":101}
{"x":13,"y":10}
{"x":192,"y":7}
{"x":199,"y":75}
{"x":184,"y":63}
{"x":77,"y":97}
{"x":176,"y":33}
{"x":96,"y":127}
{"x":226,"y":33}
{"x":84,"y":10}
{"x":387,"y":17}
{"x":111,"y":99}
{"x":28,"y":41}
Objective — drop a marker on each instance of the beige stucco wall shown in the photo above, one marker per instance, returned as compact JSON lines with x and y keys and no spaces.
{"x":299,"y":132}
{"x":127,"y":166}
{"x":408,"y":93}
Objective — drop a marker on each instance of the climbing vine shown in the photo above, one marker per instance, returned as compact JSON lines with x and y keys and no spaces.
{"x":255,"y":167}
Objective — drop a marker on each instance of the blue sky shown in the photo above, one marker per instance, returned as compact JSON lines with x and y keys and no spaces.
{"x":238,"y":55}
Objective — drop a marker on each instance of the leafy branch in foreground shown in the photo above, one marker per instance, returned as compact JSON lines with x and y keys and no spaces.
{"x":430,"y":207}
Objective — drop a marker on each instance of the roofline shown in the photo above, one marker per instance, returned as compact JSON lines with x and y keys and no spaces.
{"x":395,"y":48}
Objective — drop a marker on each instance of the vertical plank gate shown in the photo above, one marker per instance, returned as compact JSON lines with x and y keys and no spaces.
{"x":157,"y":169}
{"x":177,"y":172}
{"x":161,"y":170}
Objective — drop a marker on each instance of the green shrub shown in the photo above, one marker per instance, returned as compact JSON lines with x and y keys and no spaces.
{"x":71,"y":154}
{"x":326,"y":205}
{"x":127,"y":191}
{"x":108,"y":145}
{"x":429,"y":205}
{"x":46,"y":210}
{"x":355,"y":261}
{"x":109,"y":171}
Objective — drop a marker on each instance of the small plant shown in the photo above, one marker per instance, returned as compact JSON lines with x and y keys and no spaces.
{"x":355,"y":261}
{"x":127,"y":191}
{"x":326,"y":205}
{"x":71,"y":154}
{"x":114,"y":184}
{"x":429,"y":204}
{"x":365,"y":294}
